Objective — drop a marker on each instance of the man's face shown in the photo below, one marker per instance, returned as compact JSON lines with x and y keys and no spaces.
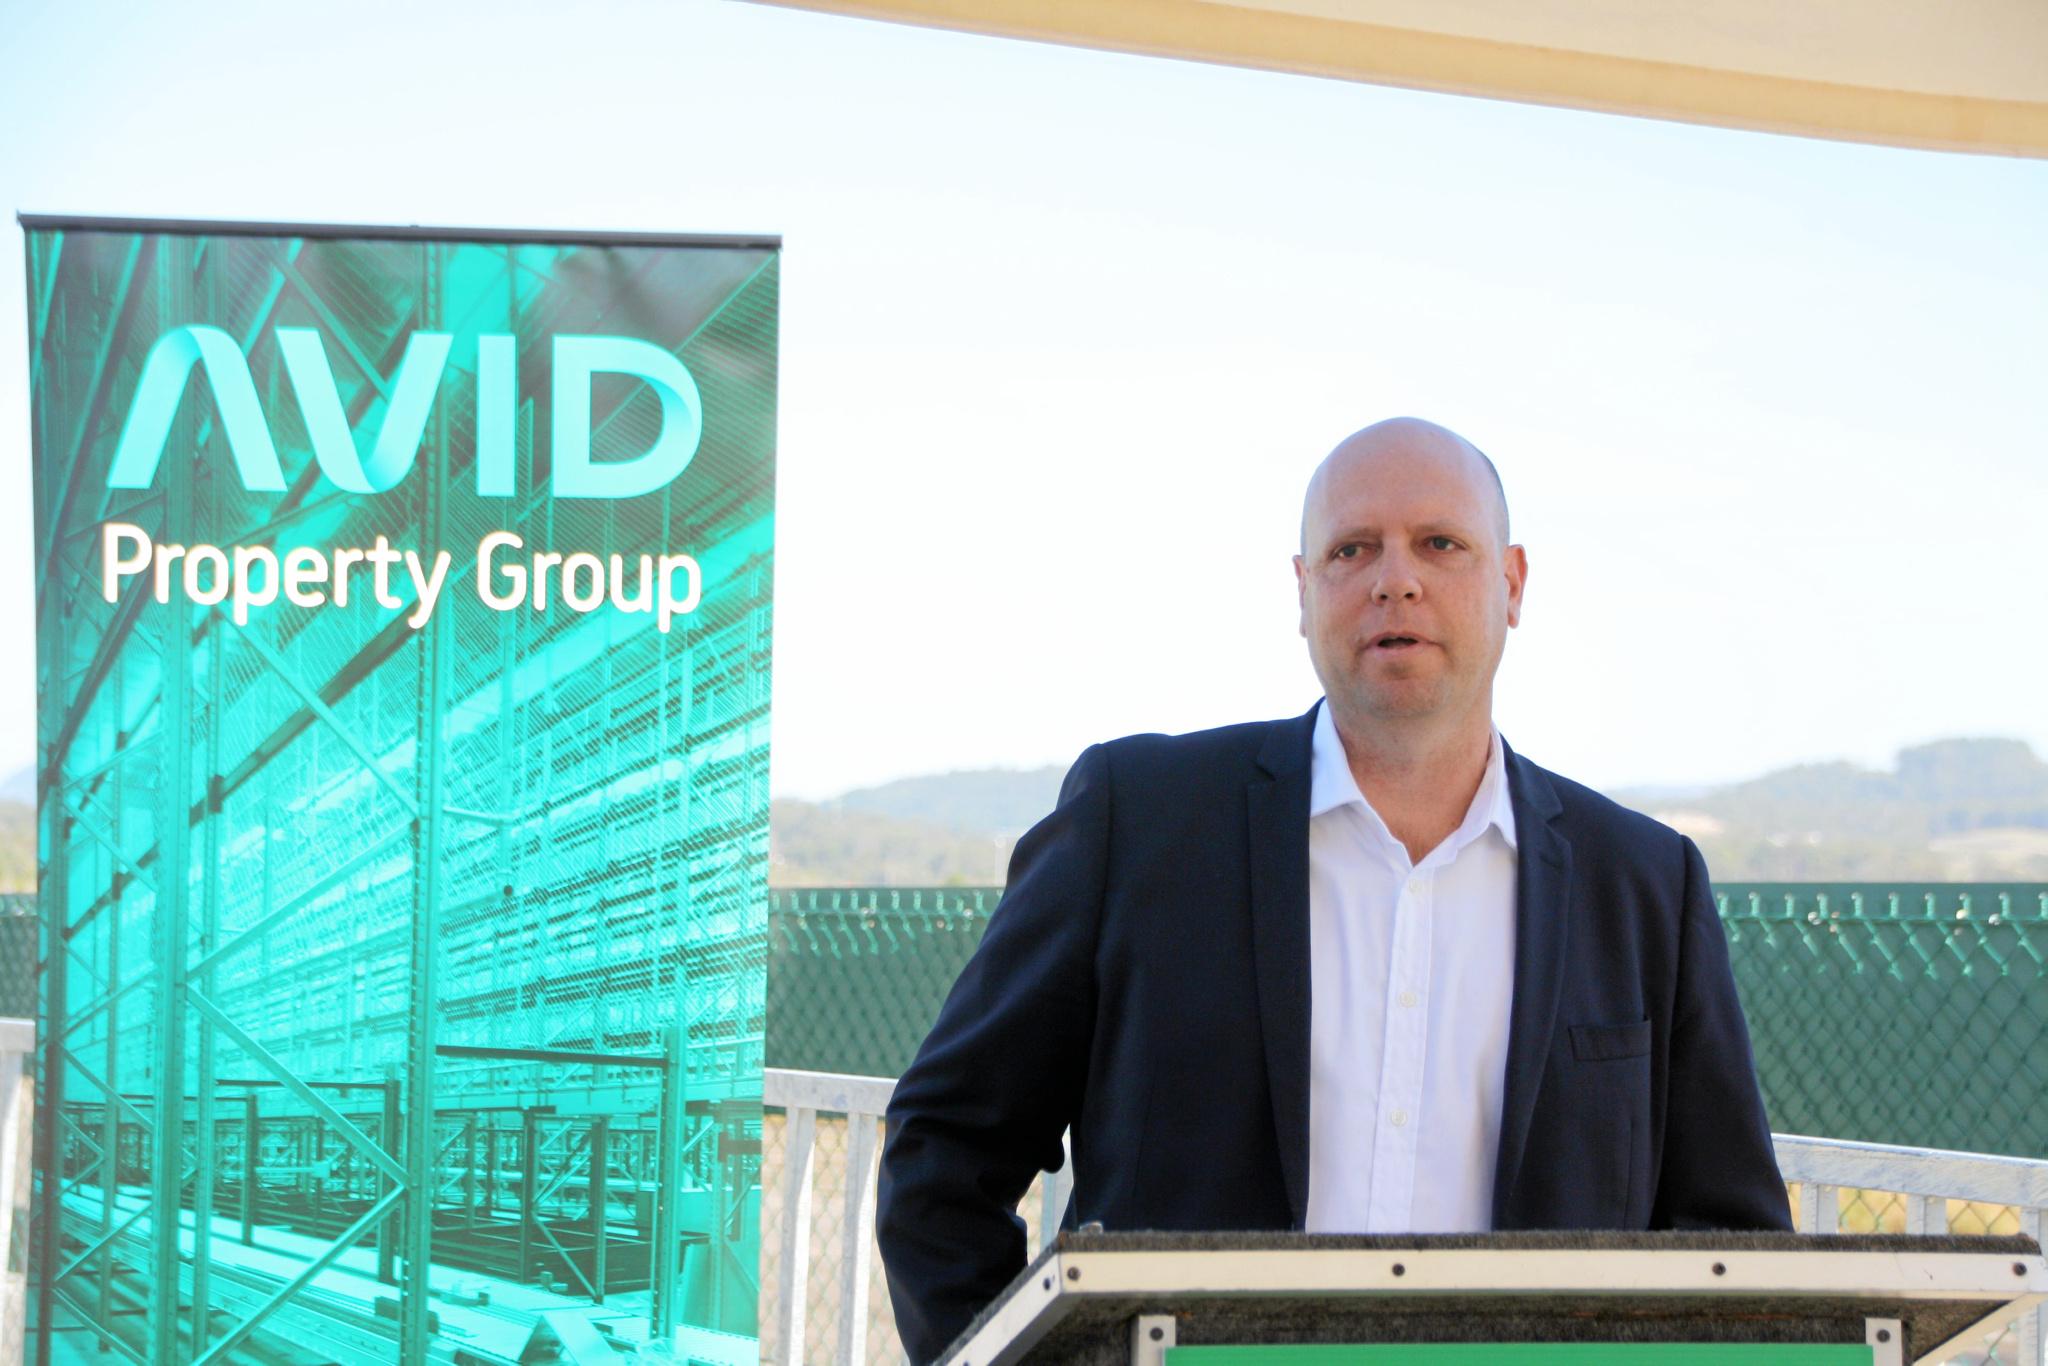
{"x":1407,"y":592}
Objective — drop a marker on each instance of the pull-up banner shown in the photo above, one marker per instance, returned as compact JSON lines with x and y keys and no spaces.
{"x":403,"y":620}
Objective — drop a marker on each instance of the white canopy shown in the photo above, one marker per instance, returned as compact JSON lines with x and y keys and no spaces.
{"x":1957,"y":75}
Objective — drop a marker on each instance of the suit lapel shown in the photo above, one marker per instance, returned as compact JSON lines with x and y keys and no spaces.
{"x":1543,"y":879}
{"x":1277,"y":805}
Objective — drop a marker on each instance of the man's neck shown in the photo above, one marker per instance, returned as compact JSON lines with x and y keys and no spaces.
{"x":1420,"y":779}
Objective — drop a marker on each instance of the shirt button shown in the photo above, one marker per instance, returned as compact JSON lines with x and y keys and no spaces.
{"x":1408,"y":998}
{"x":1398,"y":1118}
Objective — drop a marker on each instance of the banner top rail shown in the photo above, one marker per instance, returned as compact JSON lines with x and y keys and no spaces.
{"x":414,"y":232}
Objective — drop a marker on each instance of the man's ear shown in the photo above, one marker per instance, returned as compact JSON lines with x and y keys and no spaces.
{"x":1515,"y":568}
{"x":1301,"y":593}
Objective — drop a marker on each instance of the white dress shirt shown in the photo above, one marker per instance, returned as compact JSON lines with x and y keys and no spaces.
{"x":1411,"y":968}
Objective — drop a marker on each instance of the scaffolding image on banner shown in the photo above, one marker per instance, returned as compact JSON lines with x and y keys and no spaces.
{"x":403,"y":643}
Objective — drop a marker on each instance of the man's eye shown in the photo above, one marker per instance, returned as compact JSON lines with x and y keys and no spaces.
{"x":1442,"y":543}
{"x":1350,"y":552}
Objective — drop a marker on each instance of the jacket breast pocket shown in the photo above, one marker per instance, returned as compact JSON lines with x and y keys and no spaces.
{"x":1601,"y":1042}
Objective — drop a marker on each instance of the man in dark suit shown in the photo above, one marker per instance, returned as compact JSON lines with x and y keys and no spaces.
{"x":1364,"y":969}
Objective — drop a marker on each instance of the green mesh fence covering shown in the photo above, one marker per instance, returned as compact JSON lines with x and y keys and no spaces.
{"x":1886,"y":1013}
{"x":856,"y":975}
{"x":1902,"y":1013}
{"x":19,"y":934}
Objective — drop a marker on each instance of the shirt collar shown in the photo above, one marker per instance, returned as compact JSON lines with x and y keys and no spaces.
{"x":1331,"y":785}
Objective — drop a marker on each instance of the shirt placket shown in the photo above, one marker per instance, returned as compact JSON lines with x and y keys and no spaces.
{"x":1406,"y":1041}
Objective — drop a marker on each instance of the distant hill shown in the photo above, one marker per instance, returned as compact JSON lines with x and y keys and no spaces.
{"x":819,"y":846}
{"x":1949,"y":811}
{"x":943,"y":829}
{"x":1965,"y":810}
{"x":17,"y":847}
{"x":1952,"y":810}
{"x":1936,"y":789}
{"x":997,"y":801}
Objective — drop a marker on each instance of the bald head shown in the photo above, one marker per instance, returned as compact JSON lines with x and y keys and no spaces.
{"x":1412,"y":442}
{"x":1408,"y":585}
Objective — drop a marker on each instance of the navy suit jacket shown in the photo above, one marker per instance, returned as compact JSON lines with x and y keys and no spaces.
{"x":1145,"y":981}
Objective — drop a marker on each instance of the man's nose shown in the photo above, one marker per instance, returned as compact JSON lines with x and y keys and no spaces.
{"x":1397,"y":580}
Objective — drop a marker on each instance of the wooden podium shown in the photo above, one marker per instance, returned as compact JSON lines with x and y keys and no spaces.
{"x":1505,"y":1299}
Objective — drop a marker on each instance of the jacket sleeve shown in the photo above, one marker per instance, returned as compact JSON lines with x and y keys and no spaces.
{"x":981,"y":1109}
{"x":1718,"y":1168}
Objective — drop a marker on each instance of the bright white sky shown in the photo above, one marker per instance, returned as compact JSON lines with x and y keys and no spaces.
{"x":1064,"y":333}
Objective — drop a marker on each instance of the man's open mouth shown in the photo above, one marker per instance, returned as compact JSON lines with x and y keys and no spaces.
{"x":1395,"y":642}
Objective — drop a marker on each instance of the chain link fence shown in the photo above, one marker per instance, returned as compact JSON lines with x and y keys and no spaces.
{"x":20,"y":945}
{"x":1870,"y":1211}
{"x":856,"y":975}
{"x":1910,"y":1014}
{"x":823,"y":1289}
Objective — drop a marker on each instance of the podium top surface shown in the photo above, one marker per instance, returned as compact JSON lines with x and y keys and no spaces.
{"x":1076,"y":1302}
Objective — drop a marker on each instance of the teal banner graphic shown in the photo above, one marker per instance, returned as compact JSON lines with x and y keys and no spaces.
{"x":403,"y":647}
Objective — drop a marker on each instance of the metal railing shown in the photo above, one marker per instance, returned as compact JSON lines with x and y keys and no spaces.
{"x":17,"y":1116}
{"x":1934,"y":1191}
{"x":822,"y":1288}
